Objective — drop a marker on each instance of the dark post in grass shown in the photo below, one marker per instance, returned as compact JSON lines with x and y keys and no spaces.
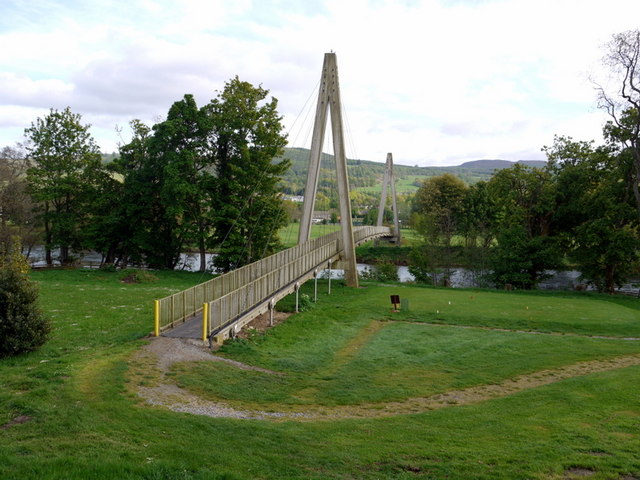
{"x":395,"y":300}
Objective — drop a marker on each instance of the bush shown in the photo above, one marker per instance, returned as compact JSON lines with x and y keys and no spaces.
{"x":381,"y":272}
{"x":137,"y":276}
{"x":23,"y":327}
{"x":305,"y":303}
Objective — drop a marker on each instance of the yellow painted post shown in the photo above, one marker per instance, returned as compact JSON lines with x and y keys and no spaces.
{"x":205,"y":321}
{"x":156,"y":317}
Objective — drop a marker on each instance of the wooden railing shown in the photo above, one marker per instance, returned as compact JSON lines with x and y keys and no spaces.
{"x":176,"y":308}
{"x":230,"y":308}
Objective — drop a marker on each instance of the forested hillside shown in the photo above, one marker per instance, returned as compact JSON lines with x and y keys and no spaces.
{"x":366,"y":175}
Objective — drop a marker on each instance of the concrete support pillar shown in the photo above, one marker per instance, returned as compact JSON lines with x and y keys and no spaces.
{"x":329,"y":99}
{"x":389,"y":179}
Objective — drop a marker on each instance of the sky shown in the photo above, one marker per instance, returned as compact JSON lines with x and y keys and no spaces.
{"x":435,"y":82}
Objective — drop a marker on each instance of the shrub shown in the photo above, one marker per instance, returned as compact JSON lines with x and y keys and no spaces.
{"x":381,"y":272}
{"x":23,"y":327}
{"x":138,"y":276}
{"x":305,"y":303}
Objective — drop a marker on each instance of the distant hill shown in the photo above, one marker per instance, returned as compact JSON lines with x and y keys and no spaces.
{"x":366,"y":176}
{"x":500,"y":164}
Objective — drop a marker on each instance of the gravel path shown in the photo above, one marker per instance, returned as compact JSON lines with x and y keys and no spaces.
{"x":167,"y":351}
{"x":172,"y":350}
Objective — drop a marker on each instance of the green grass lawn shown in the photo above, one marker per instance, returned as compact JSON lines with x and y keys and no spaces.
{"x":86,"y":422}
{"x":403,"y":186}
{"x":289,"y":234}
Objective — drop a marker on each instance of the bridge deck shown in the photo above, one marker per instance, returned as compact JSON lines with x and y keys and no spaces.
{"x":235,"y":298}
{"x":191,"y":328}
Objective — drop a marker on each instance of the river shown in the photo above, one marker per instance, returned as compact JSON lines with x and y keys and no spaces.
{"x":460,"y":278}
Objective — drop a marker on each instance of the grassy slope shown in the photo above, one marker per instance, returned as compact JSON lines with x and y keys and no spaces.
{"x":85,"y":424}
{"x":289,"y":234}
{"x":410,"y":358}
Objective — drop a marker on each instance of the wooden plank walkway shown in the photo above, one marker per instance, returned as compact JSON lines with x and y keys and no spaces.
{"x":191,"y":328}
{"x":235,"y":298}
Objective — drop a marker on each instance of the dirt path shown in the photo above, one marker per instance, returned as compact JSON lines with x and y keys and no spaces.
{"x":162,"y":352}
{"x":173,"y":350}
{"x":344,"y":356}
{"x":528,"y":332}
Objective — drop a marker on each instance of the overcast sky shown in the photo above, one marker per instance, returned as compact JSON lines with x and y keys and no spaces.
{"x":436,"y":82}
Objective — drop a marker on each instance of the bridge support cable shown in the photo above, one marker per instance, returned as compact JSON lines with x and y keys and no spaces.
{"x":329,"y":100}
{"x":389,"y":179}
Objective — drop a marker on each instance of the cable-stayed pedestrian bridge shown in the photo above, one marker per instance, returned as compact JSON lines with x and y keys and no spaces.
{"x":221,"y":306}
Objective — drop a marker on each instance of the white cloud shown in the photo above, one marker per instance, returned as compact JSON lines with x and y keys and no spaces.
{"x":432,"y":81}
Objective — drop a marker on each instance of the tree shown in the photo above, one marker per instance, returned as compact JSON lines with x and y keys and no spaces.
{"x":437,"y":207}
{"x":129,"y":226}
{"x":246,"y":136}
{"x":525,"y":205}
{"x":371,"y":216}
{"x":180,"y":146}
{"x":596,"y":213}
{"x":623,"y":105}
{"x":477,"y":226}
{"x":107,"y":227}
{"x":17,"y":219}
{"x":23,"y":327}
{"x":168,"y":186}
{"x":65,"y":160}
{"x":205,"y":177}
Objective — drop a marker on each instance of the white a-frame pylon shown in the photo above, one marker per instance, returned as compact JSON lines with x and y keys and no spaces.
{"x":329,"y":99}
{"x":389,"y":179}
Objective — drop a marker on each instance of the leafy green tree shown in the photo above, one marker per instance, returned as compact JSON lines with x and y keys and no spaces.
{"x":64,"y":162}
{"x":477,"y":227}
{"x":180,"y":146}
{"x":596,"y":210}
{"x":522,"y":260}
{"x":424,"y":265}
{"x":525,"y":204}
{"x":371,"y":216}
{"x":23,"y":327}
{"x":168,"y":187}
{"x":129,"y":226}
{"x":437,"y":206}
{"x":246,"y":136}
{"x":107,"y":228}
{"x":205,"y":177}
{"x":17,"y":219}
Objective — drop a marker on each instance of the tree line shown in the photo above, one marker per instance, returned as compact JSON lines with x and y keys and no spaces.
{"x":203,"y":178}
{"x":511,"y":230}
{"x":582,"y":209}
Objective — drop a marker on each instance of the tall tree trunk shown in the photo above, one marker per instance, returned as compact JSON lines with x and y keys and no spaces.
{"x":110,"y":256}
{"x":64,"y":254}
{"x":609,"y":282}
{"x":203,"y":254}
{"x":47,"y":237}
{"x":47,"y":248}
